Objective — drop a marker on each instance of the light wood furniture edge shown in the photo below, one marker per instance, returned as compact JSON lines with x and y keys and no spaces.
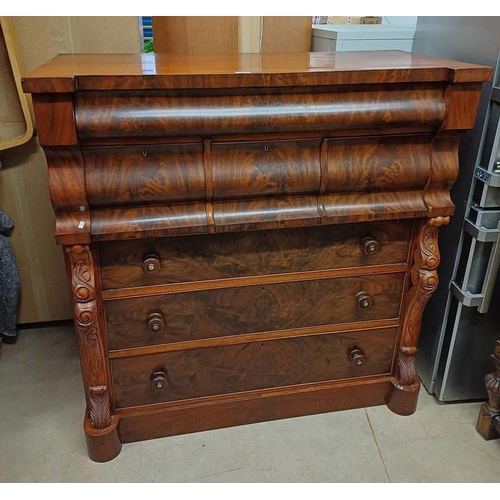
{"x":10,"y":44}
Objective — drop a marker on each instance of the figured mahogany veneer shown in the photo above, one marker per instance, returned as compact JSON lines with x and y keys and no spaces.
{"x":256,"y":253}
{"x":248,"y":236}
{"x":416,"y":107}
{"x":249,"y":309}
{"x":197,"y":373}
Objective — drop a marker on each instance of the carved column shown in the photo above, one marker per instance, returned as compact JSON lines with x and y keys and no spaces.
{"x":488,"y":423}
{"x":91,"y":342}
{"x":402,"y":398}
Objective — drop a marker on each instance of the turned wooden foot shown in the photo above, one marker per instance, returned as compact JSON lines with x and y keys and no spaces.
{"x":488,"y":423}
{"x":402,"y":400}
{"x":103,"y":444}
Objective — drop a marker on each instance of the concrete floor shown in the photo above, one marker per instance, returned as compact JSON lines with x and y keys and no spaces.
{"x":41,"y":437}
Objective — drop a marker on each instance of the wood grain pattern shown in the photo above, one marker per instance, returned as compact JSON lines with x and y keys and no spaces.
{"x":286,"y":34}
{"x":105,"y":444}
{"x":461,"y":103}
{"x":249,"y":309}
{"x":66,"y":179}
{"x":152,"y":290}
{"x":290,"y":169}
{"x":266,"y":213}
{"x":376,"y":164}
{"x":261,"y":214}
{"x":72,"y":228}
{"x":343,"y":208}
{"x":142,"y":115}
{"x":148,"y":221}
{"x":154,"y":174}
{"x":193,"y":416}
{"x":223,"y":256}
{"x":259,"y":365}
{"x":90,"y":333}
{"x":55,"y":119}
{"x":209,"y":184}
{"x":424,"y":280}
{"x":149,"y":71}
{"x":195,"y":34}
{"x":257,"y":169}
{"x":365,"y":326}
{"x":273,"y":206}
{"x":444,"y":161}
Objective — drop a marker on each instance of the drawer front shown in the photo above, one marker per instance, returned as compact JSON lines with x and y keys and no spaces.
{"x":256,"y":253}
{"x":110,"y":116}
{"x":151,"y":174}
{"x":379,"y":164}
{"x":259,"y":169}
{"x":237,"y":368}
{"x":224,"y":312}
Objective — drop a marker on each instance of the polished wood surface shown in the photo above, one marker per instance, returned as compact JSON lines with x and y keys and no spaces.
{"x":259,"y":253}
{"x":259,"y":308}
{"x":245,"y":367}
{"x":248,"y":237}
{"x":293,"y":183}
{"x":128,"y":176}
{"x":148,"y":422}
{"x":55,"y":122}
{"x":69,"y":72}
{"x":424,"y":281}
{"x":100,"y":116}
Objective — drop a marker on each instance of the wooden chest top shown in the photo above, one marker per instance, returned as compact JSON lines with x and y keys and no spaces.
{"x":70,"y":72}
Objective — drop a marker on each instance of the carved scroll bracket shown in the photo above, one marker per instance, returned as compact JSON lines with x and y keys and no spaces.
{"x":90,"y":337}
{"x":424,"y":280}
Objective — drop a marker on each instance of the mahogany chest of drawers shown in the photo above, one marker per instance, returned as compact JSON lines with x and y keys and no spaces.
{"x":248,"y":237}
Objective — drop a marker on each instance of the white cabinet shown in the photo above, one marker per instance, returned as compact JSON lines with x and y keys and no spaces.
{"x":342,"y":37}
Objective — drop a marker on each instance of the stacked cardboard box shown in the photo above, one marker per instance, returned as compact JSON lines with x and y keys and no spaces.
{"x":346,"y":20}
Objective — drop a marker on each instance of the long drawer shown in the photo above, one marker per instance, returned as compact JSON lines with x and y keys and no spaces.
{"x":177,"y":317}
{"x":237,"y":368}
{"x":232,"y":255}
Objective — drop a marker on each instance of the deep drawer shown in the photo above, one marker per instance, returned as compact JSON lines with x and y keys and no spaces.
{"x":224,"y":312}
{"x":232,"y":255}
{"x":237,"y":368}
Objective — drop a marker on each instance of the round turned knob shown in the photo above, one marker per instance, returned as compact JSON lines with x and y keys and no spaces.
{"x":363,"y":300}
{"x":356,"y":356}
{"x":159,"y":381}
{"x":369,"y":245}
{"x":156,"y":322}
{"x":151,"y":263}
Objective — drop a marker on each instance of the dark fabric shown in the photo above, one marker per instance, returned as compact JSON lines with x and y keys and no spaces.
{"x":9,"y":279}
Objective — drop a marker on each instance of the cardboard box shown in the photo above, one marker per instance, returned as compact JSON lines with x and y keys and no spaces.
{"x":371,"y":20}
{"x":344,"y":20}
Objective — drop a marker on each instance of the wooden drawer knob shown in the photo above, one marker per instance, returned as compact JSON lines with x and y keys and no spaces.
{"x":363,"y":300}
{"x":151,"y":263}
{"x":356,"y":356}
{"x":156,"y":322}
{"x":369,"y":245}
{"x":159,"y":381}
